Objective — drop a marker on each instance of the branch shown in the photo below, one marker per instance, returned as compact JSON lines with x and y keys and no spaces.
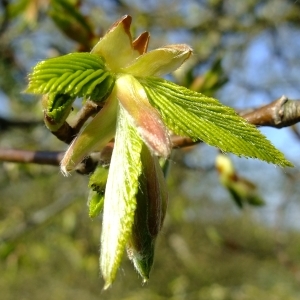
{"x":280,"y":113}
{"x":85,"y":167}
{"x":5,"y":124}
{"x":66,"y":133}
{"x":36,"y":157}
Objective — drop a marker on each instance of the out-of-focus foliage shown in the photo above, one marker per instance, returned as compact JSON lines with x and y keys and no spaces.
{"x":246,"y":53}
{"x":229,"y":257}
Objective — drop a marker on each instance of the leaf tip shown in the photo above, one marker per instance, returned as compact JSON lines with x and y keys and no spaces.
{"x":107,"y":284}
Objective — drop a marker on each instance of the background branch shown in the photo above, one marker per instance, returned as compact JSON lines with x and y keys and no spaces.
{"x":280,"y":113}
{"x":6,"y":124}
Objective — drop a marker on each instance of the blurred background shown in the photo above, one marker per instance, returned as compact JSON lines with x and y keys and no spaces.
{"x":246,"y":54}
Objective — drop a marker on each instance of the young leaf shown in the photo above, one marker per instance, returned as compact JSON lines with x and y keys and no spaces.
{"x":203,"y":118}
{"x":97,"y":184}
{"x":98,"y":179}
{"x":95,"y":203}
{"x":152,"y":199}
{"x":94,"y":136}
{"x":145,"y":117}
{"x":120,"y":195}
{"x":75,"y":74}
{"x":57,"y":108}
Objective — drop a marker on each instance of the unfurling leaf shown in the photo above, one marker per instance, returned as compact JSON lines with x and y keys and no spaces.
{"x":91,"y":138}
{"x":95,"y":203}
{"x":145,"y":117}
{"x":203,"y":118}
{"x":56,"y":109}
{"x":120,"y":195}
{"x":98,"y":179}
{"x":151,"y":208}
{"x":75,"y":74}
{"x":97,"y":184}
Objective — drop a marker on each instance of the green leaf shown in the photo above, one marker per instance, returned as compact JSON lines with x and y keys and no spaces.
{"x":146,"y":118}
{"x":57,"y":107}
{"x":75,"y":74}
{"x":120,"y":195}
{"x":97,"y":183}
{"x":94,"y":136}
{"x":151,"y":208}
{"x":98,"y":179}
{"x":95,"y":203}
{"x":203,"y":118}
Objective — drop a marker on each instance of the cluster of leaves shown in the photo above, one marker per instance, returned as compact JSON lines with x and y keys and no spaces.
{"x":58,"y":101}
{"x":139,"y":110}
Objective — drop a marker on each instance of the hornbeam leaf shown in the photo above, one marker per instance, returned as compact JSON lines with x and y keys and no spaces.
{"x":75,"y":74}
{"x":200,"y":117}
{"x":120,"y":195}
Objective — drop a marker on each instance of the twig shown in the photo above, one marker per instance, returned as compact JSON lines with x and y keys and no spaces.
{"x":280,"y":113}
{"x":88,"y":110}
{"x":6,"y":123}
{"x":36,"y":157}
{"x":66,"y":133}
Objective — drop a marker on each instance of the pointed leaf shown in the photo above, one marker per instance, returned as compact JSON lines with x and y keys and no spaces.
{"x":116,"y":45}
{"x":94,"y":136}
{"x":159,"y":61}
{"x":203,"y":118}
{"x":120,"y":196}
{"x":140,"y":44}
{"x":151,"y":208}
{"x":145,"y":117}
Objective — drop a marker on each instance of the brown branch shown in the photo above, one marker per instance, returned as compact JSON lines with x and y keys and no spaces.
{"x":88,"y":110}
{"x":66,"y":133}
{"x":6,"y":124}
{"x":36,"y":157}
{"x":280,"y":113}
